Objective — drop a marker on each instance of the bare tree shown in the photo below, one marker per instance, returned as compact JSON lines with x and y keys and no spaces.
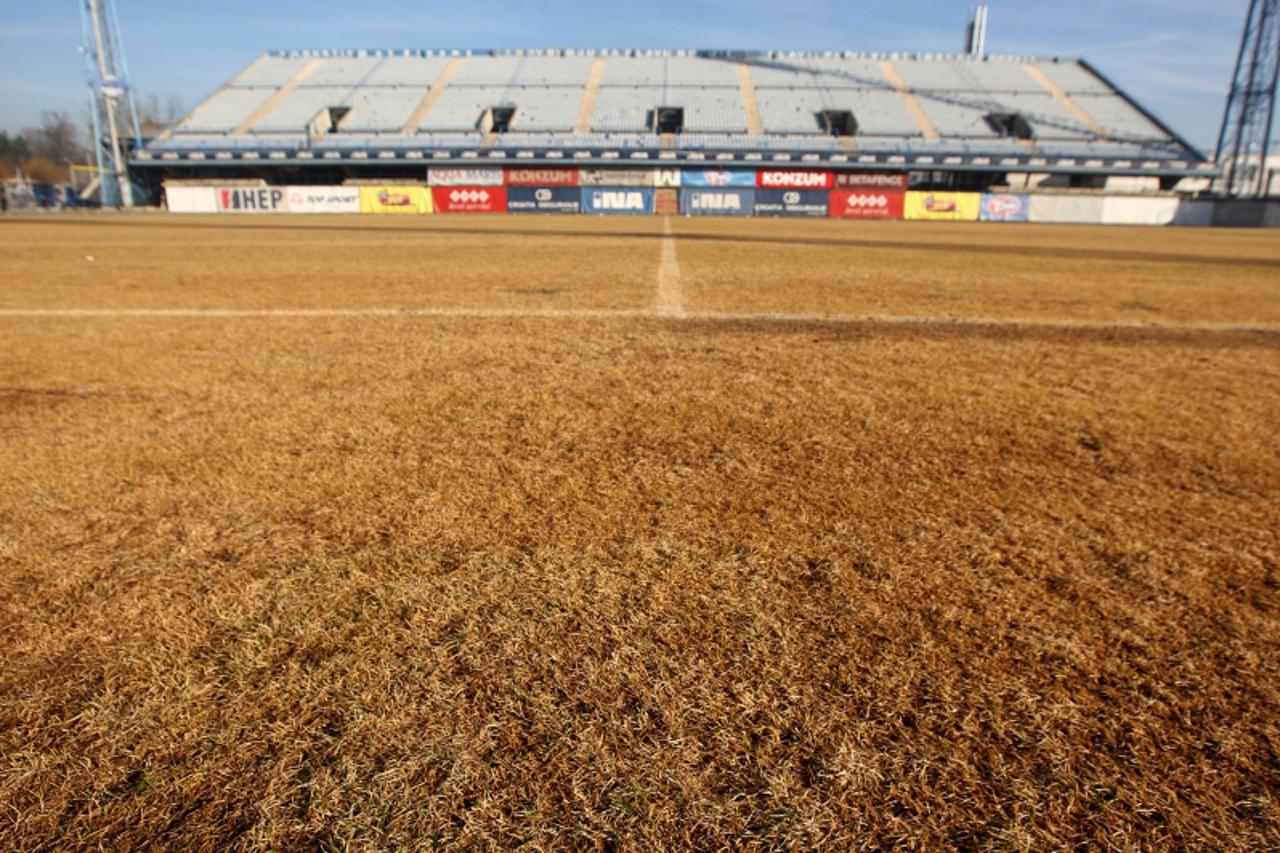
{"x":58,"y":139}
{"x":156,"y":114}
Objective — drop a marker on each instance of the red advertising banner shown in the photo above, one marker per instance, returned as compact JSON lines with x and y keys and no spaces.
{"x":469,"y":199}
{"x":872,"y":181}
{"x":789,"y":179}
{"x":867,"y":204}
{"x":535,"y":177}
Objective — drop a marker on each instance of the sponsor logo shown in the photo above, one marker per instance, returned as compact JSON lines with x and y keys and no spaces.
{"x":617,"y":200}
{"x":1004,"y":206}
{"x":719,"y":179}
{"x":933,"y":204}
{"x":469,"y":196}
{"x":723,"y":202}
{"x":791,"y":198}
{"x":251,"y":199}
{"x":667,"y":178}
{"x":544,"y":195}
{"x":543,"y":177}
{"x":872,"y":180}
{"x":795,"y":180}
{"x":465,"y":177}
{"x":867,"y":201}
{"x":386,"y":198}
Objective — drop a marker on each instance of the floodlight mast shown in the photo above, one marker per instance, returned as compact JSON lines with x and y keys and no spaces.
{"x":1251,"y":105}
{"x":109,"y":96}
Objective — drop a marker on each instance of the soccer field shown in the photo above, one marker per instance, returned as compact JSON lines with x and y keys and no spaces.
{"x":637,"y":533}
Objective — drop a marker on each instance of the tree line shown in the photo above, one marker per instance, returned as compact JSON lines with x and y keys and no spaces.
{"x":45,"y":153}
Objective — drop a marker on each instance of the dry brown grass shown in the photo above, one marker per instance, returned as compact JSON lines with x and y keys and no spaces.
{"x":640,"y":583}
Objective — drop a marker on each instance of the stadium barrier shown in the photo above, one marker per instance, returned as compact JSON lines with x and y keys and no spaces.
{"x":1005,"y":207}
{"x":717,"y":201}
{"x":1067,"y":209}
{"x":1119,"y":210}
{"x":792,"y":203}
{"x":868,"y":204}
{"x":943,"y":206}
{"x":396,"y":199}
{"x":1247,"y":214}
{"x":191,"y":199}
{"x":544,"y":200}
{"x":617,"y":200}
{"x":466,"y":177}
{"x":1194,"y":214}
{"x":483,"y":199}
{"x":323,"y":199}
{"x":728,"y":192}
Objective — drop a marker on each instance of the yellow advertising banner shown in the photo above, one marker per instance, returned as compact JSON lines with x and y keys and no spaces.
{"x":395,"y":200}
{"x":944,"y":207}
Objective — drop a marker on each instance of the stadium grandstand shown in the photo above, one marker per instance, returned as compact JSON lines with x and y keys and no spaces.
{"x":952,"y":120}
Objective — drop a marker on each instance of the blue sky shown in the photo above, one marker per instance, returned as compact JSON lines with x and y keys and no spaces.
{"x":1175,"y":56}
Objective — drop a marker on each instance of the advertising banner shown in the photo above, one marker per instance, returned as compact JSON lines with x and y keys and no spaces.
{"x":324,"y":199}
{"x":867,"y":204}
{"x":1077,"y":209}
{"x":253,"y":200}
{"x":1005,"y":207}
{"x":465,"y":177}
{"x":541,"y":177}
{"x":191,"y":199}
{"x":943,"y":206}
{"x":792,"y":202}
{"x":872,"y":181}
{"x":666,"y":202}
{"x":717,"y":202}
{"x":395,"y":200}
{"x":666,"y":178}
{"x":1119,"y":210}
{"x":544,"y":200}
{"x":469,"y":199}
{"x":793,"y":179}
{"x":718,"y":178}
{"x":617,"y":200}
{"x":617,"y":177}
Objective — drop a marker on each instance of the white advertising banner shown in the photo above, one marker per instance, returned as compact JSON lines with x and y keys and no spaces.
{"x":1078,"y":209}
{"x":1121,"y":210}
{"x":465,"y":177}
{"x":191,"y":199}
{"x":324,"y":199}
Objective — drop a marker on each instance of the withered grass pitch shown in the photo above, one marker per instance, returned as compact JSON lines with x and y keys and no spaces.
{"x":297,"y":582}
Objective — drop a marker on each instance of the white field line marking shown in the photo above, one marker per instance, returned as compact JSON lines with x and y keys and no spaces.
{"x":670,"y":296}
{"x":619,"y":313}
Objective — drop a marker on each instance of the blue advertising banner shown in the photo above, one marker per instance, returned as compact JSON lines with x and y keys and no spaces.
{"x":715,"y":202}
{"x":1005,"y":207}
{"x":792,"y":202}
{"x":718,"y":178}
{"x":544,"y":200}
{"x":617,"y":200}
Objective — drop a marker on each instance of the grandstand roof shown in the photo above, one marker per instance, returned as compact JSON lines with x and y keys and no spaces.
{"x":939,"y":111}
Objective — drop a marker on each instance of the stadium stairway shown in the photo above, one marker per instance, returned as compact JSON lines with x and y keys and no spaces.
{"x":419,"y":115}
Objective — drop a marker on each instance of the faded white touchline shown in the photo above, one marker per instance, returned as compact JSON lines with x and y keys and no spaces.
{"x":670,"y":301}
{"x":609,"y":314}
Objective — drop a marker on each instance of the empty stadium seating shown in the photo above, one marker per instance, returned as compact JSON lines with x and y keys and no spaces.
{"x":907,"y":104}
